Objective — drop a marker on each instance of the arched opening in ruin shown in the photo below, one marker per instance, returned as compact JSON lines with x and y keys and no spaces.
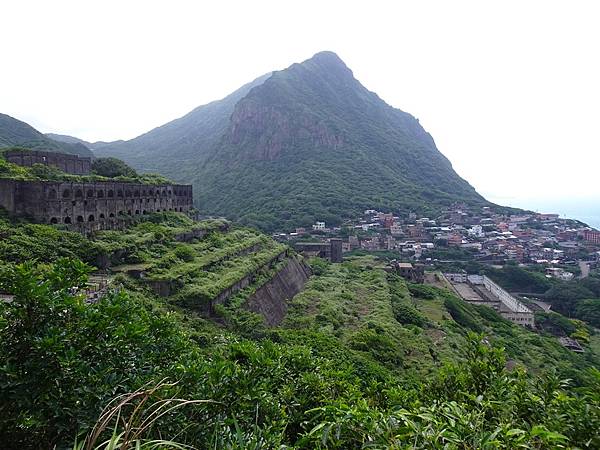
{"x":180,"y":209}
{"x":121,"y":213}
{"x":52,"y":194}
{"x":79,"y":219}
{"x":66,"y":193}
{"x":67,"y":219}
{"x":144,"y":193}
{"x":119,"y":193}
{"x":111,"y":194}
{"x":90,"y":193}
{"x":137,"y":212}
{"x":111,"y":215}
{"x":129,"y":212}
{"x":100,"y":194}
{"x":91,"y":218}
{"x":102,"y":216}
{"x":54,"y":221}
{"x":78,"y":193}
{"x":144,"y":212}
{"x":127,"y":193}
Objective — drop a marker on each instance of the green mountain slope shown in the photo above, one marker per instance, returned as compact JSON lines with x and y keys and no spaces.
{"x":174,"y":147}
{"x":15,"y":133}
{"x":305,"y":143}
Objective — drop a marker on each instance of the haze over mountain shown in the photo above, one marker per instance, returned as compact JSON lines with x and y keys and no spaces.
{"x":302,"y":144}
{"x":15,"y":133}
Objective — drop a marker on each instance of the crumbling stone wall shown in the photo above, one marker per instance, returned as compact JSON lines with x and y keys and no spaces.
{"x":91,"y":206}
{"x":73,"y":164}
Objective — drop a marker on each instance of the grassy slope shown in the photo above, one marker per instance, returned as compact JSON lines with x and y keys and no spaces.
{"x":342,"y":355}
{"x":347,"y":299}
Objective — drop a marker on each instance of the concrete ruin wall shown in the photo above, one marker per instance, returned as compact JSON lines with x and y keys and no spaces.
{"x":73,"y":164}
{"x":271,"y":299}
{"x":90,"y":206}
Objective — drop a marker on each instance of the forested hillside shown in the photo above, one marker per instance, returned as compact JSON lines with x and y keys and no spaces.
{"x":361,"y":360}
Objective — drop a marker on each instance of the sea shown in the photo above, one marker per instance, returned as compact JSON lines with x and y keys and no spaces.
{"x":586,"y":210}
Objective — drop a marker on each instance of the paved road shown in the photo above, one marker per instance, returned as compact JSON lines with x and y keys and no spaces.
{"x":585,"y":269}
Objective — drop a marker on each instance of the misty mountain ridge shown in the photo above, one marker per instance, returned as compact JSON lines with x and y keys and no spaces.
{"x":16,"y":133}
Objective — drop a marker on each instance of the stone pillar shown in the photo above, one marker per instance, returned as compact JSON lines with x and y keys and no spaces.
{"x":336,"y":250}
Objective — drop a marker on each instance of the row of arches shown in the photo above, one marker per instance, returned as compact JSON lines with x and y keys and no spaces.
{"x":119,"y":193}
{"x":91,"y":218}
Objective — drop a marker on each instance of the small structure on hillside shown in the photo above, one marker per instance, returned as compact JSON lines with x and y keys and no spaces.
{"x":571,"y":344}
{"x":413,"y":273}
{"x":331,"y":250}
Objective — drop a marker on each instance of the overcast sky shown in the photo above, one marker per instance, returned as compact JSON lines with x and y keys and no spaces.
{"x":510,"y":90}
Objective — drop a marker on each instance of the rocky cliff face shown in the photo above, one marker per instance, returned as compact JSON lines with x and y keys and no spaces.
{"x":271,"y":299}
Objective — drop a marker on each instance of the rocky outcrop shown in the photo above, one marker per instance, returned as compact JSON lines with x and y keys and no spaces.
{"x":271,"y":299}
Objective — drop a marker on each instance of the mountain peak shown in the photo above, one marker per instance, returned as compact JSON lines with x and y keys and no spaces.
{"x":329,"y":61}
{"x":308,"y":143}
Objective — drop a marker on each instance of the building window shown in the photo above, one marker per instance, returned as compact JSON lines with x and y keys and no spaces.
{"x":90,"y":193}
{"x":54,"y":221}
{"x":52,"y":194}
{"x":67,"y":219}
{"x":119,"y":193}
{"x":100,"y":194}
{"x":91,"y":218}
{"x":111,"y":194}
{"x":66,"y":193}
{"x":79,"y":219}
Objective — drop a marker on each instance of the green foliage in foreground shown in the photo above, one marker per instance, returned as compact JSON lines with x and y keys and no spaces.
{"x":363,"y":359}
{"x":62,"y":361}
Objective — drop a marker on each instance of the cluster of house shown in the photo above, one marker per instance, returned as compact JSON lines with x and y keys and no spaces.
{"x":488,"y":236}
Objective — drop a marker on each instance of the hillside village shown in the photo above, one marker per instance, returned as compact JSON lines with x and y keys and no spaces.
{"x":566,"y":247}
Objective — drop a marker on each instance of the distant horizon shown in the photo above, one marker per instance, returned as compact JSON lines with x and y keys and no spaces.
{"x":584,"y":209}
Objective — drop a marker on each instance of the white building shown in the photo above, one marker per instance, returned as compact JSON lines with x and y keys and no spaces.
{"x":319,"y":226}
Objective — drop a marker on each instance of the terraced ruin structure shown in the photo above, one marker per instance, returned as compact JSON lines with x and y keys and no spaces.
{"x":73,"y":164}
{"x":92,"y":205}
{"x":220,"y":266}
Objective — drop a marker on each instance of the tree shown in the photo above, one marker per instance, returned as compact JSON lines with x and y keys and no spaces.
{"x":111,"y":168}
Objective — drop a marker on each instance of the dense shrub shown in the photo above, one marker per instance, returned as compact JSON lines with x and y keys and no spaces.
{"x":462,"y":313}
{"x":111,"y":168}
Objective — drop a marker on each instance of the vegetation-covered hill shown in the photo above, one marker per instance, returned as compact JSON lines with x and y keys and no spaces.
{"x":363,"y":360}
{"x":14,"y":133}
{"x":303,"y":144}
{"x":178,"y":147}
